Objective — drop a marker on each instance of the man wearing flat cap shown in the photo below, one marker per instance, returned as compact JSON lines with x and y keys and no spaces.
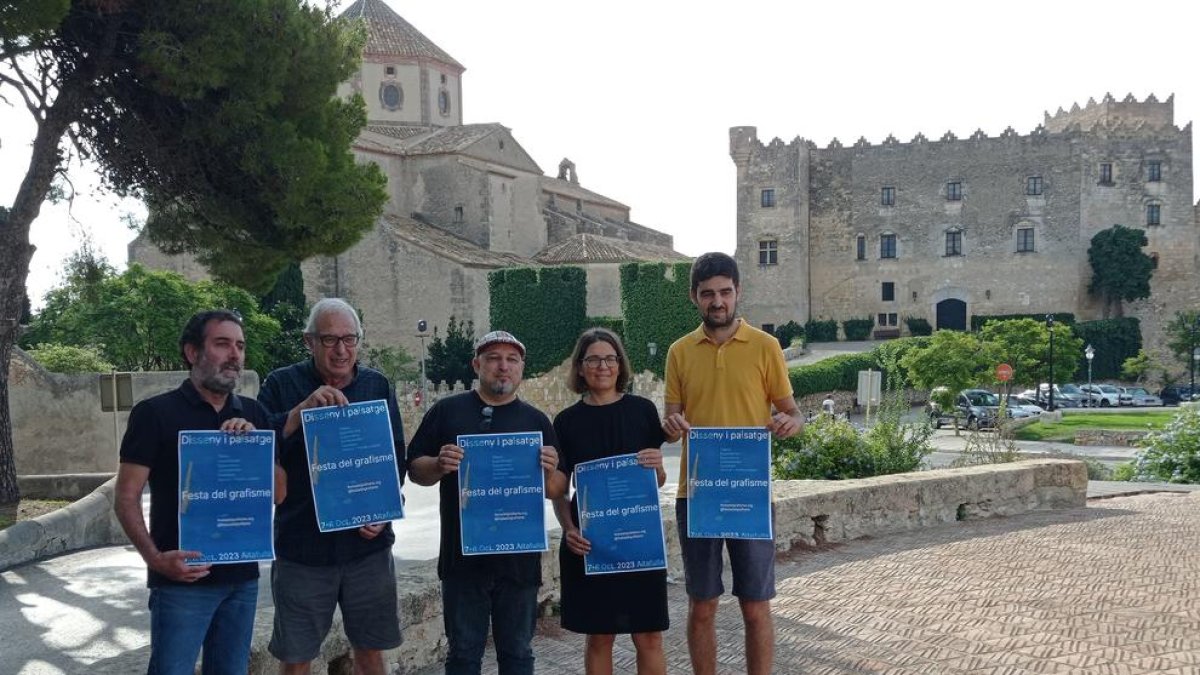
{"x":497,"y":589}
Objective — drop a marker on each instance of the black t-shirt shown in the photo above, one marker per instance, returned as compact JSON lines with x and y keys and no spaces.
{"x":462,"y":414}
{"x":587,"y":432}
{"x":152,"y":440}
{"x":298,"y":538}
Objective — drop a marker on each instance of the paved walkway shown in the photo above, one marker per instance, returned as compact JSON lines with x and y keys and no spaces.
{"x":1113,"y":588}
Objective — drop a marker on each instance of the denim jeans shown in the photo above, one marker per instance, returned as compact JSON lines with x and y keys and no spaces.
{"x":219,"y":618}
{"x":469,"y":603}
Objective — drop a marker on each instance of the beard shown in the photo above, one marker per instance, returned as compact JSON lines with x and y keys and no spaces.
{"x":500,"y":387}
{"x":711,"y":322}
{"x":215,"y":379}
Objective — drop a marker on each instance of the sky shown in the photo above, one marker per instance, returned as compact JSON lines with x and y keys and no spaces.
{"x":641,"y":95}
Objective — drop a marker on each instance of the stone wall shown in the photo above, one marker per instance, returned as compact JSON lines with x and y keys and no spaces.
{"x":58,"y":426}
{"x":1109,"y":437}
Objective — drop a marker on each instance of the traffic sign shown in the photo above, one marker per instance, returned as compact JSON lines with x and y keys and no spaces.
{"x":1004,"y":372}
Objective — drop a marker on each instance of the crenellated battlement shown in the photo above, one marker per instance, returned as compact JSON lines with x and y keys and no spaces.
{"x":1108,"y":118}
{"x":1109,"y":111}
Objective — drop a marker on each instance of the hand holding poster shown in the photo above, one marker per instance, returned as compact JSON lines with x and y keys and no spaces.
{"x":226,"y":496}
{"x":729,"y":483}
{"x":352,"y":465}
{"x":619,"y":515}
{"x":502,"y":490}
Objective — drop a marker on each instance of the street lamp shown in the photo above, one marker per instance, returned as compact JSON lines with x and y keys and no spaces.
{"x":1195,"y":358}
{"x":421,"y":327}
{"x":1090,"y":354}
{"x":1050,"y":328}
{"x":652,"y":349}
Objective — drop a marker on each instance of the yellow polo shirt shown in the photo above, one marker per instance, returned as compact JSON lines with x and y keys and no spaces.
{"x":730,"y":385}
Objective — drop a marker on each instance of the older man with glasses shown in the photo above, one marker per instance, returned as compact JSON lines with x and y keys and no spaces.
{"x":496,"y":589}
{"x":315,"y":571}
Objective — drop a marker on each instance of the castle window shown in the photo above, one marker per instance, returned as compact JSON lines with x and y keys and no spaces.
{"x":444,"y":102}
{"x":389,"y":70}
{"x":1153,"y":172}
{"x":1033,"y":185}
{"x":768,"y":198}
{"x":443,"y":78}
{"x":768,"y":252}
{"x":887,"y":246}
{"x":954,"y":242}
{"x":1153,"y":214}
{"x":888,"y":291}
{"x":1025,"y":240}
{"x":861,"y":247}
{"x":768,"y":328}
{"x":885,"y":319}
{"x":888,"y":196}
{"x":1106,"y":175}
{"x":391,"y":96}
{"x":458,"y":214}
{"x":954,"y":191}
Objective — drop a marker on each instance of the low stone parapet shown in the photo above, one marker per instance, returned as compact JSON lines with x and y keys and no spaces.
{"x":1109,"y":437}
{"x":807,"y":514}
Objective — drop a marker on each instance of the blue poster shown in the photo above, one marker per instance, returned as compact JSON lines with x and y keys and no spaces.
{"x":352,"y":465}
{"x":227,"y":496}
{"x":501,"y":493}
{"x":729,"y":483}
{"x":619,"y":515}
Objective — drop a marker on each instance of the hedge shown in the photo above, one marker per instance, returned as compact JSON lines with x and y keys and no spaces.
{"x":614,"y":323}
{"x":840,"y":373}
{"x":821,"y":331}
{"x":544,"y":307}
{"x":918,"y":326}
{"x":978,"y":320}
{"x":656,"y":309}
{"x":788,"y":332}
{"x":1113,"y":340}
{"x":858,"y":329}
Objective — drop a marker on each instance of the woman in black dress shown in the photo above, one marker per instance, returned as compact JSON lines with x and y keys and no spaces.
{"x":607,"y":422}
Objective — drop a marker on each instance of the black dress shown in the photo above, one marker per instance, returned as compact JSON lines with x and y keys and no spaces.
{"x":630,"y":602}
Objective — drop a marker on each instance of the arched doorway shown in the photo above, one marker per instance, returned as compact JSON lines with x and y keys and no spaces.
{"x":952,"y":314}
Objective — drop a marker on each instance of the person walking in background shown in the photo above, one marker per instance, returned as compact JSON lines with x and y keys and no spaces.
{"x":726,"y":373}
{"x":606,"y":422}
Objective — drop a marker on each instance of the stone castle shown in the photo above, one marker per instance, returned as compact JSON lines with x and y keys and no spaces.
{"x":945,"y":229}
{"x":464,"y":200}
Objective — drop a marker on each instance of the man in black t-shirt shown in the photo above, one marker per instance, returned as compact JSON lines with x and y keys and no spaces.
{"x":191,"y":606}
{"x":500,"y":589}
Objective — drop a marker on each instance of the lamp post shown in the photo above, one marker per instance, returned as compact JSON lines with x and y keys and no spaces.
{"x":1090,"y":354}
{"x":1195,"y":358}
{"x":652,"y":349}
{"x":1050,"y":328}
{"x":421,"y":327}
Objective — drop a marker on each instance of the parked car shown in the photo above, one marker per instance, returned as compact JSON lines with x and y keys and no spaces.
{"x":1103,"y":395}
{"x":1141,"y":398}
{"x":1020,"y":407}
{"x":1175,"y":394}
{"x":1066,"y":396}
{"x":978,"y":408}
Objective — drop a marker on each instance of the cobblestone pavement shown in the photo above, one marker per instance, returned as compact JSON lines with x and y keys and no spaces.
{"x":1110,"y":589}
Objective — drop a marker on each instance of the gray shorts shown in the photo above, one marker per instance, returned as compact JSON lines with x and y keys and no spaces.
{"x":306,"y":596}
{"x":751,"y":560}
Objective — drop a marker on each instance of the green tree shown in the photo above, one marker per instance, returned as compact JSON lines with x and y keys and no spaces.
{"x":70,"y":359}
{"x":449,"y":358}
{"x":395,"y":362}
{"x":1139,"y":366}
{"x":1024,"y":344}
{"x":950,"y":362}
{"x":221,"y":115}
{"x":1181,"y":331}
{"x":1120,"y":270}
{"x":286,"y":304}
{"x":133,"y":319}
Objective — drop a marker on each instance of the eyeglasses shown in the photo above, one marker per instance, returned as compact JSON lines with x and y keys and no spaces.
{"x":331,"y":340}
{"x":594,"y":362}
{"x":485,"y":424}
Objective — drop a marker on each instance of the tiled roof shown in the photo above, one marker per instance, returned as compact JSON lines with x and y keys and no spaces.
{"x":448,"y":246}
{"x":397,"y":131}
{"x":593,"y":248}
{"x":564,"y":188}
{"x":388,"y":34}
{"x":445,"y":140}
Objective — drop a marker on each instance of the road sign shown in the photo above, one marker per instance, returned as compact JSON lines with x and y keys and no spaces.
{"x":1004,"y":372}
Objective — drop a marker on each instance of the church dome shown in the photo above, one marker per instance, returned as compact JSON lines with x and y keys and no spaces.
{"x":388,"y":34}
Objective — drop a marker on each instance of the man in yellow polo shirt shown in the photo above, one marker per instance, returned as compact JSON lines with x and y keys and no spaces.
{"x":726,"y":373}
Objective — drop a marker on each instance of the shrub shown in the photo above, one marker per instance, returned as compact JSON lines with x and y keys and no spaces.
{"x":897,"y":446}
{"x":60,"y":358}
{"x":828,"y":448}
{"x":978,"y":320}
{"x":821,"y":331}
{"x":833,"y":374}
{"x":789,"y":332}
{"x":857,"y":329}
{"x":918,"y":326}
{"x":1172,"y":454}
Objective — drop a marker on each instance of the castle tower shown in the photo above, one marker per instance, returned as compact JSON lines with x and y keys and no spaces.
{"x":405,"y":78}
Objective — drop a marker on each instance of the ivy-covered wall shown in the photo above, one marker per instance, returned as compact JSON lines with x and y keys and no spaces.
{"x":545,"y":307}
{"x":1113,"y":340}
{"x":656,"y":309}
